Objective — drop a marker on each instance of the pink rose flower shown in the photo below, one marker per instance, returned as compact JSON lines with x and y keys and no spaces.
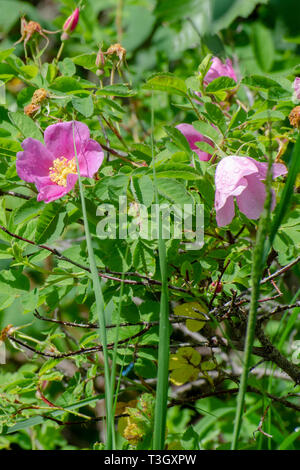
{"x":242,"y":178}
{"x":296,"y":86}
{"x":192,"y":136}
{"x":52,"y":167}
{"x":218,"y":69}
{"x":70,"y":24}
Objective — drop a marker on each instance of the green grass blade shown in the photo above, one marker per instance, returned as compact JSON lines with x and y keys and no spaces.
{"x":114,"y":360}
{"x":257,"y":264}
{"x":161,"y":402}
{"x":100,"y":307}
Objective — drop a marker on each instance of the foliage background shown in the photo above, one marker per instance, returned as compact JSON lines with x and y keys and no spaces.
{"x":164,"y":36}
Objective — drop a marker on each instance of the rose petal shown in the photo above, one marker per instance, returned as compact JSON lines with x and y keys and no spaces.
{"x":50,"y":191}
{"x":34,"y":162}
{"x":225,"y":214}
{"x":251,"y":201}
{"x":59,"y":138}
{"x":230,"y":171}
{"x":218,"y":69}
{"x":91,"y":159}
{"x":296,"y":86}
{"x":278,"y":169}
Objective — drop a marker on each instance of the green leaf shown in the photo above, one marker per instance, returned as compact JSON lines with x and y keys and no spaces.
{"x":174,"y":191}
{"x":238,"y":118}
{"x":263,"y":46}
{"x":178,"y":138}
{"x":208,"y":131}
{"x":50,"y":224}
{"x":25,"y":125}
{"x":29,"y":71}
{"x":8,"y":147}
{"x":216,"y":116}
{"x":224,"y":12}
{"x":190,"y":439}
{"x":287,"y":443}
{"x":268,"y":115}
{"x":205,"y":147}
{"x":84,"y":106}
{"x":138,"y":22}
{"x":87,"y":61}
{"x":214,"y":44}
{"x":143,"y":258}
{"x":67,"y":67}
{"x":260,"y":82}
{"x":178,"y":170}
{"x":28,"y":210}
{"x":176,"y":9}
{"x":66,"y":84}
{"x":6,"y":53}
{"x":145,"y":368}
{"x":166,"y":82}
{"x":142,"y":189}
{"x":116,"y":90}
{"x":220,"y":84}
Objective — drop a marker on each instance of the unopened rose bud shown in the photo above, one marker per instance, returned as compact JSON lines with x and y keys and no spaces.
{"x":70,"y":24}
{"x":100,"y":60}
{"x":216,"y":287}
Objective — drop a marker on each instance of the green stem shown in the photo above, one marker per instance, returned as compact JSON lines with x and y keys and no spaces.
{"x":60,"y":51}
{"x":100,"y":308}
{"x":257,"y":265}
{"x":112,"y":405}
{"x":161,"y":402}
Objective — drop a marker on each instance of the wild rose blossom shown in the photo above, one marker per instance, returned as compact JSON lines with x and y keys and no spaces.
{"x":242,"y":178}
{"x":70,"y":24}
{"x":296,"y":86}
{"x":219,"y":69}
{"x":52,"y":167}
{"x":193,"y":136}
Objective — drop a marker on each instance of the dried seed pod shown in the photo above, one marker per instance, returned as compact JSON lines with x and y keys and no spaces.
{"x":294,"y":117}
{"x":31,"y":109}
{"x":118,"y":50}
{"x":39,"y":96}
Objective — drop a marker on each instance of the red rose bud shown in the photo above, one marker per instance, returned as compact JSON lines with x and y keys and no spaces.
{"x":216,"y":287}
{"x":70,"y":24}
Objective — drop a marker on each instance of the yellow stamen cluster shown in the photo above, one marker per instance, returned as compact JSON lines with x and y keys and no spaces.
{"x":61,"y":169}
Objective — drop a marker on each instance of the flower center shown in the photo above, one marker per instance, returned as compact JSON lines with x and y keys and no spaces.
{"x":61,"y":169}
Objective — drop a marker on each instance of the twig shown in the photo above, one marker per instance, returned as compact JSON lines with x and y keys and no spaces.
{"x":259,"y":428}
{"x":12,"y":193}
{"x":125,"y":324}
{"x":281,"y":271}
{"x":59,"y":255}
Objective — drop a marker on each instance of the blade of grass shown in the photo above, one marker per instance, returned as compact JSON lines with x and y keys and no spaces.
{"x":115,"y":350}
{"x":280,"y":212}
{"x":257,"y":265}
{"x":260,"y":254}
{"x":161,"y":402}
{"x":100,"y":309}
{"x":283,"y":335}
